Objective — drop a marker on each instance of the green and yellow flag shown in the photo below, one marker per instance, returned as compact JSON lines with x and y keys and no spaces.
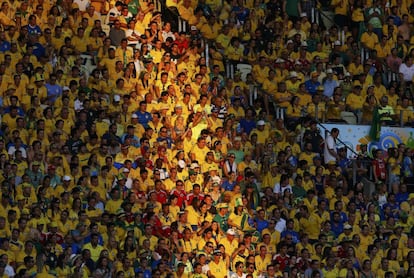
{"x":375,"y":130}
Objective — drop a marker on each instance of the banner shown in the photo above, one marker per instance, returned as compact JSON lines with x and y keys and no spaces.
{"x":354,"y":135}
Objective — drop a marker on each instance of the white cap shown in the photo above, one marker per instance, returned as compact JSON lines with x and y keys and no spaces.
{"x":328,"y":71}
{"x":261,"y":122}
{"x":337,"y":43}
{"x":303,"y":15}
{"x":67,"y":178}
{"x":126,"y":170}
{"x":231,"y":232}
{"x":194,"y":165}
{"x":65,"y":88}
{"x":117,"y":98}
{"x":289,"y":41}
{"x":297,"y":62}
{"x":347,"y":74}
{"x":293,"y":74}
{"x":181,"y":164}
{"x":279,"y":60}
{"x":193,"y":28}
{"x":304,"y":44}
{"x":134,"y":116}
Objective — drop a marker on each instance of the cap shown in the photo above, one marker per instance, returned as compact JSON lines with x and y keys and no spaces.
{"x":297,"y":62}
{"x":238,"y":202}
{"x":347,"y":227}
{"x":213,"y":168}
{"x":328,"y":71}
{"x":314,"y":74}
{"x":215,"y":110}
{"x":261,"y":122}
{"x":194,"y":165}
{"x":231,"y":232}
{"x":222,"y":205}
{"x":279,"y":61}
{"x":126,"y":170}
{"x":178,"y":106}
{"x":303,"y":15}
{"x":66,"y":88}
{"x":39,"y":77}
{"x":304,"y":44}
{"x":217,"y":252}
{"x":293,"y":74}
{"x":67,"y":178}
{"x":347,"y":74}
{"x":134,"y":116}
{"x":25,"y":211}
{"x":117,"y":98}
{"x":193,"y":28}
{"x":181,"y":164}
{"x":19,"y":198}
{"x":338,"y":43}
{"x":289,"y":41}
{"x":51,"y":167}
{"x":53,"y":224}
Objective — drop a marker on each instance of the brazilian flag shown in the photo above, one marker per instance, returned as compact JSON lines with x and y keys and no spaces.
{"x":375,"y":130}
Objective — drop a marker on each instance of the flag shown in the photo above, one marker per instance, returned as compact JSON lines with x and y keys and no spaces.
{"x":375,"y":130}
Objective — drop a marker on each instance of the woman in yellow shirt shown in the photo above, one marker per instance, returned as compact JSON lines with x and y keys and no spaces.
{"x":294,"y":110}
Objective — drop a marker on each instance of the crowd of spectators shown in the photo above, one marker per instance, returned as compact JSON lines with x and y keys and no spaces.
{"x":131,"y":148}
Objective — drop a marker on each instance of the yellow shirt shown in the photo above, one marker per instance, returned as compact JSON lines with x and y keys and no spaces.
{"x":370,"y":40}
{"x":218,"y":270}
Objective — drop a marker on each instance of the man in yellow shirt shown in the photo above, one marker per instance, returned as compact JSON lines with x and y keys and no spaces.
{"x":229,"y":242}
{"x":94,"y":247}
{"x":369,"y":39}
{"x":211,"y":29}
{"x":217,"y":267}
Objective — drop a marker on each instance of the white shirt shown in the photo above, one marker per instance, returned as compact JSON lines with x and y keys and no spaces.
{"x":278,"y":189}
{"x":9,"y":271}
{"x":280,"y":225}
{"x":128,"y":34}
{"x":329,"y":145}
{"x":407,"y":72}
{"x":83,"y":4}
{"x":112,"y":13}
{"x":12,"y":150}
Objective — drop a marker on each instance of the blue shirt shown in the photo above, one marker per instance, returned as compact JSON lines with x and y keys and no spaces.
{"x":329,"y":86}
{"x":4,"y":46}
{"x":227,"y":186}
{"x":337,"y":228}
{"x":312,"y":87}
{"x":293,"y":234}
{"x":134,"y":141}
{"x":53,"y":91}
{"x":261,"y":225}
{"x":144,"y":118}
{"x":247,"y":125}
{"x":34,"y":30}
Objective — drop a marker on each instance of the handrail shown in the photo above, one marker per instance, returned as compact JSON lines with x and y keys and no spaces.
{"x":339,"y":140}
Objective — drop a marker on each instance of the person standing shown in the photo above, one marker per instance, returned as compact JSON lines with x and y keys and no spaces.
{"x":330,"y":153}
